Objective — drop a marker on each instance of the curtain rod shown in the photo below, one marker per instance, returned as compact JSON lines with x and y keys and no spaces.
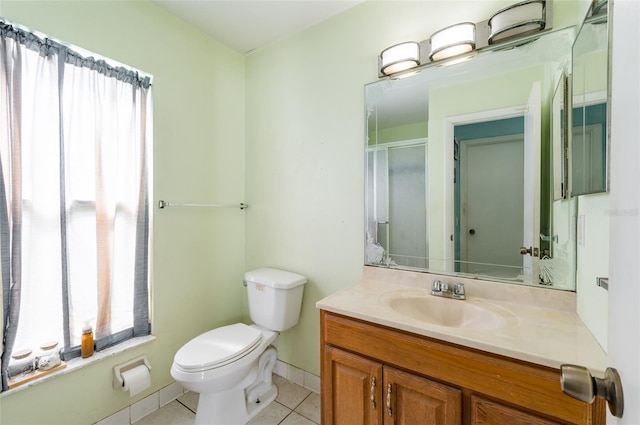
{"x":164,"y":204}
{"x":73,"y":55}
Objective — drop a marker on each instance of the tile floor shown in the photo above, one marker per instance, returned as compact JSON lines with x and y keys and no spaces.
{"x":294,"y":405}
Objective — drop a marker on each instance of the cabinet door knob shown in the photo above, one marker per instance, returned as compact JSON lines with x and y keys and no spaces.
{"x":389,"y":400}
{"x":372,"y":395}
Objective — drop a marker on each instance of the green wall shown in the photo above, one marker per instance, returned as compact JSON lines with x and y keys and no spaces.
{"x":399,"y":133}
{"x":198,"y":254}
{"x":304,"y":142}
{"x":283,"y":126}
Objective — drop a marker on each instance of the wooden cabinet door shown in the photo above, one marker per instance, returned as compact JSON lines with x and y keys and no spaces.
{"x":351,"y":392}
{"x":487,"y":412}
{"x":414,"y":400}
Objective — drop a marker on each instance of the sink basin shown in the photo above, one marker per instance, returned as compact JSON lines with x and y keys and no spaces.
{"x":468,"y":314}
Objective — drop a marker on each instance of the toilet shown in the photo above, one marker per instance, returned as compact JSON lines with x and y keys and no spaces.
{"x":231,"y":366}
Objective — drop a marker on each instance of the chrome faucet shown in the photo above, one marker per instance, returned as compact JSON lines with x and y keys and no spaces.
{"x":442,"y":289}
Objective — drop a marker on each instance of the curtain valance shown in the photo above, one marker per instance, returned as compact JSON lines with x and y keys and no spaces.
{"x":46,"y":47}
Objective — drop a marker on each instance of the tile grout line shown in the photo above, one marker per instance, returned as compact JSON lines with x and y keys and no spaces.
{"x":300,"y":404}
{"x":185,"y":406}
{"x":285,"y":418}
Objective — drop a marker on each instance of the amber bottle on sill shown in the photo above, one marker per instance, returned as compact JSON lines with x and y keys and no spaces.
{"x":86,"y":346}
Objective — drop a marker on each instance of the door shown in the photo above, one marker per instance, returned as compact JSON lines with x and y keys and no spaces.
{"x":532,"y":131}
{"x":491,"y":205}
{"x":623,"y":342}
{"x":530,"y":169}
{"x":411,"y":399}
{"x":352,"y":395}
{"x":624,"y":275}
{"x":588,"y":160}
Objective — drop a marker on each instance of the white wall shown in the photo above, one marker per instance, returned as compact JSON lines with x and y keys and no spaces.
{"x":592,"y":262}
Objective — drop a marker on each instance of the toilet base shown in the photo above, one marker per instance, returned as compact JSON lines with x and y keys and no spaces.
{"x":257,"y":406}
{"x":230,"y":407}
{"x":238,"y":405}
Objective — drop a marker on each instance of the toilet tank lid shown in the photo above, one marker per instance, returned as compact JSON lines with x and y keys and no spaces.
{"x":275,"y":278}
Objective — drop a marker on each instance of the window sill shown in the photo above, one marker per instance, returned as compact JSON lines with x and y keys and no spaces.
{"x":79,"y":363}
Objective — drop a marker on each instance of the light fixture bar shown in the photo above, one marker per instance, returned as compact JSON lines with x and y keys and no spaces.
{"x":520,"y":22}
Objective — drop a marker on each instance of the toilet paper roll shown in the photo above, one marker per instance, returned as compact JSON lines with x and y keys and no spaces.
{"x":136,"y":380}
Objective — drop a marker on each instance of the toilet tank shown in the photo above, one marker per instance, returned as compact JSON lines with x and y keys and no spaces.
{"x":275,"y":297}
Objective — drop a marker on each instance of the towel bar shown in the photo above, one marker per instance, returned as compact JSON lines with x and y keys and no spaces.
{"x":164,"y":204}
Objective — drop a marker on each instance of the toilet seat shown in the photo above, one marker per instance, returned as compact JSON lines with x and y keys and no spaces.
{"x":218,"y":347}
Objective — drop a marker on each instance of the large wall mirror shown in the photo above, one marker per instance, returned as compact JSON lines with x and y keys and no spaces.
{"x":459,"y":160}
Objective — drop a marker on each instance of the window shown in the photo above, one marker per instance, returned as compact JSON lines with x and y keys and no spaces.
{"x":75,"y":157}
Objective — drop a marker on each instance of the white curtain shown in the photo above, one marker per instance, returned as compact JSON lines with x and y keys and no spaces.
{"x":75,"y":217}
{"x":31,"y":146}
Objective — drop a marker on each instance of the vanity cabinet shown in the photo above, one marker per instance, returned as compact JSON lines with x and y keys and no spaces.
{"x":487,"y":412}
{"x":377,"y":375}
{"x":366,"y":392}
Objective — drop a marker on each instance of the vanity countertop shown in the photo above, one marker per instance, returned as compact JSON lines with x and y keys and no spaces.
{"x":547,"y":331}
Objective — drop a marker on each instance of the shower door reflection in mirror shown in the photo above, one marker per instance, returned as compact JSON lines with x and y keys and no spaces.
{"x":397,"y":205}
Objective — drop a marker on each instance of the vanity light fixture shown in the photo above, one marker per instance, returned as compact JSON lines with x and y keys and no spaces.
{"x":464,"y":40}
{"x":453,"y":41}
{"x":519,"y":19}
{"x":400,"y":57}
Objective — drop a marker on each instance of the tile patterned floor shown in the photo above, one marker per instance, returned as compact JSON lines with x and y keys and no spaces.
{"x":294,"y":405}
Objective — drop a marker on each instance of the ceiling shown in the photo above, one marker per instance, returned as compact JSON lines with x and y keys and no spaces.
{"x":245,"y":25}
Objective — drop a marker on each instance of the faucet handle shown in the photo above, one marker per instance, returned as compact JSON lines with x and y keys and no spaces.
{"x":436,"y":286}
{"x":459,"y":289}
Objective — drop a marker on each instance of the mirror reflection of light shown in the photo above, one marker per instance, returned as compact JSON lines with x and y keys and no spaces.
{"x":406,"y":74}
{"x":458,"y":60}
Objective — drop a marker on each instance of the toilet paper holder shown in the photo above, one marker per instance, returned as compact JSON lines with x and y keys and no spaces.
{"x":118,"y":381}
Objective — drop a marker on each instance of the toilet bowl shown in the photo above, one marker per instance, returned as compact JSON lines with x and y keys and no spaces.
{"x":231,"y":366}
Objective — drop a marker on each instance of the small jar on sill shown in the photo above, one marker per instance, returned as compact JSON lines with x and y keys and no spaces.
{"x":86,"y":345}
{"x":24,"y":360}
{"x":50,"y":356}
